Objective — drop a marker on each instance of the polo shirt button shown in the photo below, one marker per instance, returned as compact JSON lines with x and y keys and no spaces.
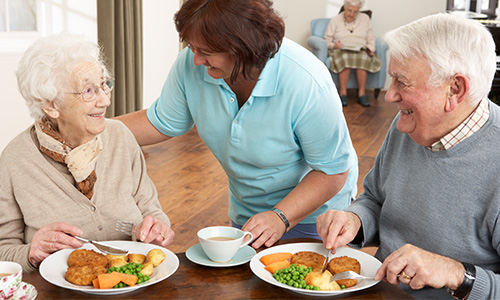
{"x":231,"y":100}
{"x":93,"y":208}
{"x":235,"y":121}
{"x":99,"y":227}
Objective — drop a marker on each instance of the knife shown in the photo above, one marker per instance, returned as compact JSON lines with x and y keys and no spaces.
{"x":326,"y":261}
{"x":103,"y":247}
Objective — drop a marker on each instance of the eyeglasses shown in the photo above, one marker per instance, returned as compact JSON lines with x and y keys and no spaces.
{"x":90,"y":93}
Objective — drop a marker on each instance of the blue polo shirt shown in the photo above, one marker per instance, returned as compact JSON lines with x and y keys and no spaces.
{"x":292,"y":123}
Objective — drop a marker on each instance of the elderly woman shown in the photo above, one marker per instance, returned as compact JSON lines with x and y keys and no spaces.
{"x":268,"y":110}
{"x":351,"y":45}
{"x":432,"y":200}
{"x":73,"y":172}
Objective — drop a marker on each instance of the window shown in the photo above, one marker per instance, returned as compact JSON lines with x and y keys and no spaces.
{"x":19,"y":24}
{"x":488,"y":7}
{"x":18,"y":15}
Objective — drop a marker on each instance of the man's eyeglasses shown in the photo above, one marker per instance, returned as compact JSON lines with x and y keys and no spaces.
{"x":90,"y":93}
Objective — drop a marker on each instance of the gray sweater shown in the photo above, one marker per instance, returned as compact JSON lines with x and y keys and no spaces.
{"x":445,"y":202}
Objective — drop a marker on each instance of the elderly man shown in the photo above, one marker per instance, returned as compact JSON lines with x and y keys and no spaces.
{"x":431,"y":203}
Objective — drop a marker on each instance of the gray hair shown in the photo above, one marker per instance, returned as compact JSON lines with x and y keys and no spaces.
{"x":450,"y":45}
{"x":44,"y":69}
{"x":359,"y":3}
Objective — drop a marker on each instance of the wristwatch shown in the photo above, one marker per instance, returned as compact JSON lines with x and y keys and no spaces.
{"x":282,"y":217}
{"x":464,"y":289}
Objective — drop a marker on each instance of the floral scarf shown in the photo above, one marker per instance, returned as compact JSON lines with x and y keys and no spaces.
{"x":81,"y":161}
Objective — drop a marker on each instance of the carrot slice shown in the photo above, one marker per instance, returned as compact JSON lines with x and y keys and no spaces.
{"x":129,"y":279}
{"x":109,"y":280}
{"x":275,"y":266}
{"x":275,"y":257}
{"x":95,"y":283}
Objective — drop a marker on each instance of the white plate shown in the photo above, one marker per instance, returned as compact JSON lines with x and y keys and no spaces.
{"x":198,"y":256}
{"x":54,"y":267}
{"x":369,"y":266}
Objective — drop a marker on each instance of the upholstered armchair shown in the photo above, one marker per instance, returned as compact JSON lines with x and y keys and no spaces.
{"x":317,"y":43}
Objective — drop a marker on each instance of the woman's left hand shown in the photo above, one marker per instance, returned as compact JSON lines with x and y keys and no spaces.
{"x":266,"y":227}
{"x":153,"y":230}
{"x":418,"y":268}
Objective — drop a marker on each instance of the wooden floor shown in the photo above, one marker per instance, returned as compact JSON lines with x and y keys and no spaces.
{"x":192,"y":186}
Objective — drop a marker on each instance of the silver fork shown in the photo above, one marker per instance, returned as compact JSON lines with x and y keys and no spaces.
{"x":126,"y":227}
{"x":349,"y":275}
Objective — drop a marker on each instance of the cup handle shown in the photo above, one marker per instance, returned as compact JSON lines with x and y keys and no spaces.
{"x":249,"y":240}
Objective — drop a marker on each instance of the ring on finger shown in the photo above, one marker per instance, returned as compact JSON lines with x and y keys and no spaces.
{"x":161,"y":233}
{"x":403,"y":274}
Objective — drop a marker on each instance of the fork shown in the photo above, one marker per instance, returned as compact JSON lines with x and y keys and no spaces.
{"x":126,"y":227}
{"x":349,"y":275}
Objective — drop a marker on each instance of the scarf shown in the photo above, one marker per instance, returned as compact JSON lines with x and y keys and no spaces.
{"x":81,"y":161}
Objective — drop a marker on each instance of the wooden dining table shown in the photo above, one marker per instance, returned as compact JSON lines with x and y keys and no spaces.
{"x":193,"y":281}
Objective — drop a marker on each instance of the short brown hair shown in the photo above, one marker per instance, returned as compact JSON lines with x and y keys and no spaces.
{"x":249,"y":30}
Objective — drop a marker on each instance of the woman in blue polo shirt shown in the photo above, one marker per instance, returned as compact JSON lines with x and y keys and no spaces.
{"x":267,"y":109}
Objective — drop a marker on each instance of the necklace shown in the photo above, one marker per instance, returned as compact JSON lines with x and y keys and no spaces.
{"x":352,"y":27}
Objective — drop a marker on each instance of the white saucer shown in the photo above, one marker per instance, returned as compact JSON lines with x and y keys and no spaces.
{"x":198,"y":256}
{"x":25,"y":290}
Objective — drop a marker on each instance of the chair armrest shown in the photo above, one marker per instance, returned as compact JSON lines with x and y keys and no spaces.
{"x":319,"y":48}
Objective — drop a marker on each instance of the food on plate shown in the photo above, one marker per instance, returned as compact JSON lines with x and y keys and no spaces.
{"x":83,"y":257}
{"x":275,"y":257}
{"x":276,"y":266}
{"x":156,"y":256}
{"x":294,"y":276}
{"x":322,"y":280}
{"x":87,"y":267}
{"x":344,"y":263}
{"x":83,"y":275}
{"x":309,"y":259}
{"x":137,"y":258}
{"x":118,"y":262}
{"x":147,"y":268}
{"x":112,"y":257}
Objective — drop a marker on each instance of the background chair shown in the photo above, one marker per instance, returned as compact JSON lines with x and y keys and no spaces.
{"x":316,"y":41}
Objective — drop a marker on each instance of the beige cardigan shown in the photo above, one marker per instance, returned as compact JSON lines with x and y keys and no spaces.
{"x":36,"y":191}
{"x":362,"y":35}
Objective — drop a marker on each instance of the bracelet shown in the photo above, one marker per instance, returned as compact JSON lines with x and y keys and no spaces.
{"x":464,"y":289}
{"x":282,"y":217}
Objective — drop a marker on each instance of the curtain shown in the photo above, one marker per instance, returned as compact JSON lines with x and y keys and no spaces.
{"x":119,"y":32}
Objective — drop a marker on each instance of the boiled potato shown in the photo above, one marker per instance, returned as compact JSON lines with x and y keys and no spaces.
{"x":117,"y":263}
{"x":147,"y":269}
{"x":156,"y":256}
{"x":137,"y":258}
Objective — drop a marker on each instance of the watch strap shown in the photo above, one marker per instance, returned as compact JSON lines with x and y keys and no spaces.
{"x":469,"y":277}
{"x":282,"y":217}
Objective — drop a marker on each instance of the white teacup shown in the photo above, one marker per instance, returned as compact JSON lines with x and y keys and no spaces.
{"x":221,"y":243}
{"x":11,"y":274}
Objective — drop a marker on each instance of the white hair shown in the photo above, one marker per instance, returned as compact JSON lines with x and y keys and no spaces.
{"x":359,"y":3}
{"x":44,"y":69}
{"x":450,"y":45}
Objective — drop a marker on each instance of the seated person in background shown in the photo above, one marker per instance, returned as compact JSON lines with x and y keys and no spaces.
{"x":351,"y":45}
{"x":432,"y":200}
{"x":72,"y":172}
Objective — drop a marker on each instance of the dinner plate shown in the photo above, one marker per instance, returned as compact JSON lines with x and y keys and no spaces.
{"x":369,"y":266}
{"x":54,"y":267}
{"x":198,"y":256}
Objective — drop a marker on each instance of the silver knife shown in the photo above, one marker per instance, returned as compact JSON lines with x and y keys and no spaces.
{"x":103,"y":247}
{"x":326,"y":261}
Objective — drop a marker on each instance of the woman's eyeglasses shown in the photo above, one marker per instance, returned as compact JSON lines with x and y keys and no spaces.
{"x":89,"y":94}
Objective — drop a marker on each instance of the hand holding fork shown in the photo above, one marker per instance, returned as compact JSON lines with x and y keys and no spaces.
{"x":151,"y":230}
